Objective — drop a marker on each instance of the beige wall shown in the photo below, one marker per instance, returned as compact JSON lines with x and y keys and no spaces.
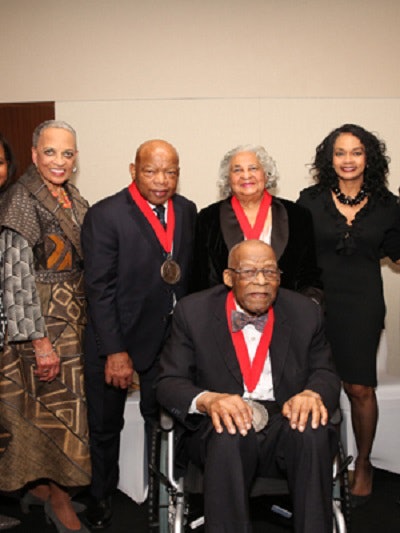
{"x":208,"y":75}
{"x":124,"y":49}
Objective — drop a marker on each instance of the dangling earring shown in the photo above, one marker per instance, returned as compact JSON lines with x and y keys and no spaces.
{"x":74,"y":170}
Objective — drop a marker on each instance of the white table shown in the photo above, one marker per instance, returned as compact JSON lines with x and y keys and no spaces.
{"x":133,"y":458}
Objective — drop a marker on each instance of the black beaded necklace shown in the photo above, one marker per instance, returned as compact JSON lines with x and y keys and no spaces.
{"x":348,"y":200}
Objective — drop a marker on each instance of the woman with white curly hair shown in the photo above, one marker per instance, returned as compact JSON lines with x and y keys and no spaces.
{"x":248,"y":211}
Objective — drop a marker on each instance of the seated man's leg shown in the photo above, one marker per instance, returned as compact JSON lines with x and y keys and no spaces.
{"x":307,"y":459}
{"x":229,"y":463}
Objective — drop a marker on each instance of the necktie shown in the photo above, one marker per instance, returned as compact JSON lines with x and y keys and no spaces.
{"x":160,"y":212}
{"x":240,"y":320}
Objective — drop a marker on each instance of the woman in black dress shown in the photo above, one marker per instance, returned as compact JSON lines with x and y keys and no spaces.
{"x":357,"y":222}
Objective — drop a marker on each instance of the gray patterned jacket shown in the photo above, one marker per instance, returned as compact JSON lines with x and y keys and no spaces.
{"x":2,"y":316}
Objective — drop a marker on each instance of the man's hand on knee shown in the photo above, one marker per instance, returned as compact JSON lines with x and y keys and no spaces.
{"x":298,"y":409}
{"x":229,"y":410}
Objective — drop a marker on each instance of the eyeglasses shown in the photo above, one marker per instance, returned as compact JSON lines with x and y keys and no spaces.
{"x":248,"y":274}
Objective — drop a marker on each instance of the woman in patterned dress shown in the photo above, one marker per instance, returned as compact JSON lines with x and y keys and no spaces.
{"x":7,"y":175}
{"x":41,"y":369}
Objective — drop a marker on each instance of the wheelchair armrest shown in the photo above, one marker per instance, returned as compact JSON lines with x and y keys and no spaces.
{"x":336,"y":417}
{"x":167,"y":423}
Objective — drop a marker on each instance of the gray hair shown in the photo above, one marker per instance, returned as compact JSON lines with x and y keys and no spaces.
{"x":51,"y":124}
{"x":266,"y":161}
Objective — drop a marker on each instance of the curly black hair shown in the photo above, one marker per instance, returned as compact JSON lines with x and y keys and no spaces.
{"x":11,"y":163}
{"x":377,"y":162}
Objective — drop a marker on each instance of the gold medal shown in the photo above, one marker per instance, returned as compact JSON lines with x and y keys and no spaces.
{"x":170,"y":271}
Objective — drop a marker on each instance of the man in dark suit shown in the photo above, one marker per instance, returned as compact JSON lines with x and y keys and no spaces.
{"x":137,"y":264}
{"x":220,"y":381}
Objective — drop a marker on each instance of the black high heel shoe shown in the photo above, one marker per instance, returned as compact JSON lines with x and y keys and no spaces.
{"x":51,"y":517}
{"x":29,"y":500}
{"x":357,"y":500}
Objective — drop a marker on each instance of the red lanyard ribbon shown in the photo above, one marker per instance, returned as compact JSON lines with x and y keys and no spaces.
{"x":251,"y":371}
{"x":250,"y":232}
{"x":165,"y":236}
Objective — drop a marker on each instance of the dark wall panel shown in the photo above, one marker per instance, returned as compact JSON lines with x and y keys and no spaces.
{"x":17,"y":122}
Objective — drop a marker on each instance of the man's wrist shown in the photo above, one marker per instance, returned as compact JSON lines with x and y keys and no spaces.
{"x":195,"y":407}
{"x":313,"y":394}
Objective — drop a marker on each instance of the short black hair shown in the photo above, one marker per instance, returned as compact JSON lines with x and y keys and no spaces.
{"x":11,"y":163}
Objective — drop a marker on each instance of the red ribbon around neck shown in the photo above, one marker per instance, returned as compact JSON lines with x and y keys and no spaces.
{"x":252,"y":232}
{"x":165,"y":236}
{"x":251,"y":371}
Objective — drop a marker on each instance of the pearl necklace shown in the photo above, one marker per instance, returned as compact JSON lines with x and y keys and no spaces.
{"x":348,"y":200}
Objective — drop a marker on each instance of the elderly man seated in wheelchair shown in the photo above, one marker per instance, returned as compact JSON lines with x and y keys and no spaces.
{"x":248,"y":375}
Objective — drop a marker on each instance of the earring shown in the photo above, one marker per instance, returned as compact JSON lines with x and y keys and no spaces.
{"x":74,"y":170}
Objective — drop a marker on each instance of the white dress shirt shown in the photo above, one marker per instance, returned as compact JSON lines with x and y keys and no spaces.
{"x":265,"y":387}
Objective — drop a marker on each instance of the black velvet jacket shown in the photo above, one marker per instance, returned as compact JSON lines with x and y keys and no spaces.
{"x":292,"y":239}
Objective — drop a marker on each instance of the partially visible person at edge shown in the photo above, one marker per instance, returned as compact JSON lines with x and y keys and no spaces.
{"x":7,"y":176}
{"x":8,"y":165}
{"x":41,"y":372}
{"x":248,"y":211}
{"x":357,"y":222}
{"x":137,"y":264}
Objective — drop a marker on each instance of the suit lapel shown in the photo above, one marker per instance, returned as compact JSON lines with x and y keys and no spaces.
{"x":178,"y":227}
{"x":280,"y":228}
{"x":223,"y":339}
{"x":280,"y":342}
{"x":143,"y":224}
{"x":279,"y":348}
{"x":229,"y":224}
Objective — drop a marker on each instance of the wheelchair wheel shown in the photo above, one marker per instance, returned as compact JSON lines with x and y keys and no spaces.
{"x":152,"y":495}
{"x":157,"y":497}
{"x":339,"y":523}
{"x":166,"y":502}
{"x":341,"y":493}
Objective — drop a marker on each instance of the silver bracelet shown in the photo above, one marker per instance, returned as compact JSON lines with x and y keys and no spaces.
{"x":43,"y":354}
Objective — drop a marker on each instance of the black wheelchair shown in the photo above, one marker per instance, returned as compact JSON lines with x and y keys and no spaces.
{"x":168,"y":498}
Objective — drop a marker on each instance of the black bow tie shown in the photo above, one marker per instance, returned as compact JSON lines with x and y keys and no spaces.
{"x":240,"y":320}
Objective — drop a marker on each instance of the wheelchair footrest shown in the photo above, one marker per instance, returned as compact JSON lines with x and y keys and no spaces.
{"x":281,"y":511}
{"x":197,"y":523}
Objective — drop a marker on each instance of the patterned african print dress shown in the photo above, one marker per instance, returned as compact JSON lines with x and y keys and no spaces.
{"x":43,"y":296}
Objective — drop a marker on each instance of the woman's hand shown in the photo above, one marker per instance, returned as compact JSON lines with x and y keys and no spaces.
{"x":47,"y":360}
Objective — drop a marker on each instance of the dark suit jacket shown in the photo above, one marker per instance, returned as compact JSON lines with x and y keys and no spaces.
{"x":129,"y":303}
{"x":292,"y":238}
{"x":200,"y":355}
